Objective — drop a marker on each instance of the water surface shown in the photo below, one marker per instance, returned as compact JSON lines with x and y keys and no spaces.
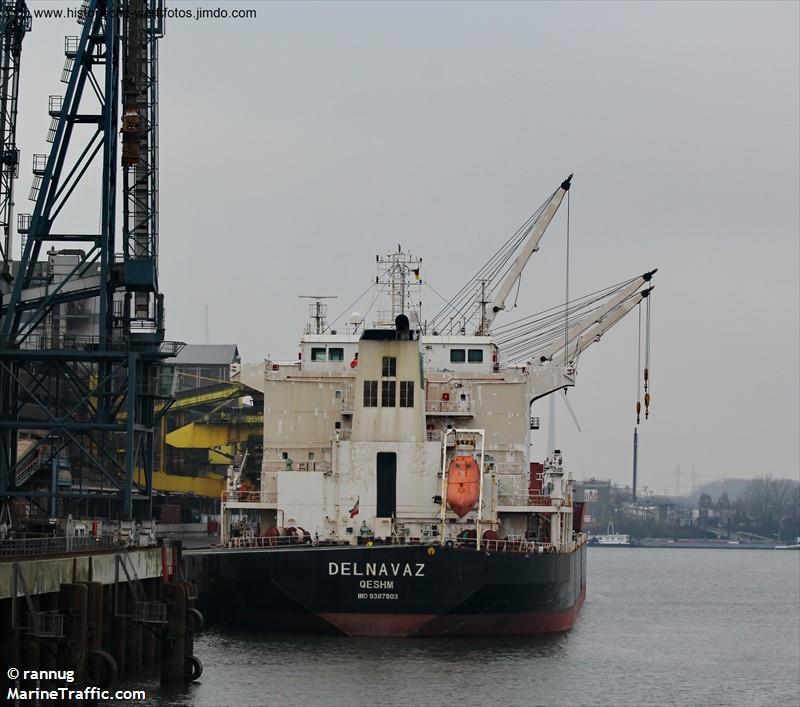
{"x":659,"y":627}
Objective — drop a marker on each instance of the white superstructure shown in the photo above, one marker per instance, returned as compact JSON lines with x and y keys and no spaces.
{"x":364,"y":432}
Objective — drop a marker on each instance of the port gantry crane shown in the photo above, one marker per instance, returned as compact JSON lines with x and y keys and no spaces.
{"x":81,"y":385}
{"x":15,"y":21}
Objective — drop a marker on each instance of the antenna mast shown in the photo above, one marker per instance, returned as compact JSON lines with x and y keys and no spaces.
{"x":399,"y":272}
{"x":318,"y":311}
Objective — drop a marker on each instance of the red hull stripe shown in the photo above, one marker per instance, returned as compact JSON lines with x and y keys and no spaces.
{"x":401,"y":625}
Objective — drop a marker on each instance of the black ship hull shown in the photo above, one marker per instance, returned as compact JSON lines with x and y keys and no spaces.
{"x":393,"y":590}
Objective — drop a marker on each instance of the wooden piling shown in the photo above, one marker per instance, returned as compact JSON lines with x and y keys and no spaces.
{"x":72,"y":603}
{"x":118,"y":633}
{"x":173,"y":645}
{"x":148,"y":635}
{"x":133,"y":649}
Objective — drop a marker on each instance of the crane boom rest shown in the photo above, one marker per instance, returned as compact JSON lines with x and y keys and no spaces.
{"x":530,"y":246}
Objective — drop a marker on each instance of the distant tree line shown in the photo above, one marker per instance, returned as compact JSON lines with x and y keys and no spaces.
{"x":762,"y":506}
{"x":770,"y":506}
{"x":765,"y":506}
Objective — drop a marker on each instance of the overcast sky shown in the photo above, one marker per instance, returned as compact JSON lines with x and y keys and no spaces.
{"x":297,"y":145}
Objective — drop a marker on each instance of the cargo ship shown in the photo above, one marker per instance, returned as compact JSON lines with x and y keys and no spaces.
{"x":397,"y":495}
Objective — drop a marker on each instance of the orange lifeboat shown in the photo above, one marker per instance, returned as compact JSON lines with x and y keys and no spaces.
{"x":463,"y":476}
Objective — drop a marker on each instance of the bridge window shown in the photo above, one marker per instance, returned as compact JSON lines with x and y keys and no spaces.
{"x":318,"y":354}
{"x":457,"y":356}
{"x":406,"y":394}
{"x":475,"y":356}
{"x":389,"y":368}
{"x":370,"y":394}
{"x":335,"y":354}
{"x":388,"y":394}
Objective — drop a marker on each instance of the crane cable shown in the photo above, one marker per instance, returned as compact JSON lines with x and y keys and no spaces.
{"x":647,"y":364}
{"x":566,"y":296}
{"x":639,"y":367}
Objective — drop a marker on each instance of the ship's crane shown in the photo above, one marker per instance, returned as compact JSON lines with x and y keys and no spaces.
{"x":555,"y":366}
{"x":496,"y":278}
{"x":15,"y":21}
{"x":530,"y":246}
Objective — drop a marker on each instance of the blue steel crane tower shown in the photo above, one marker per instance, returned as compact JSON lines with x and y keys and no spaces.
{"x":79,"y":406}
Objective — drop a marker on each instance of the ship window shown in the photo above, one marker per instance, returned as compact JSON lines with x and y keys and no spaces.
{"x":475,"y":356}
{"x":337,"y":395}
{"x":284,"y":455}
{"x":457,"y":356}
{"x":389,"y":368}
{"x":370,"y":394}
{"x":406,"y":394}
{"x":388,"y":394}
{"x":336,"y":354}
{"x":311,"y":456}
{"x":318,"y":354}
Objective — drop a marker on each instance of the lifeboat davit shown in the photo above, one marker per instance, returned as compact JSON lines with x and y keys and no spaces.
{"x":463,"y":476}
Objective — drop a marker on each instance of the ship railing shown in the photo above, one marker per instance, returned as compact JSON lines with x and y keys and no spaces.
{"x":261,"y":541}
{"x":250,"y":496}
{"x":531,"y":500}
{"x":454,"y":407}
{"x":56,"y":545}
{"x":524,"y":547}
{"x":511,"y":544}
{"x":347,"y":403}
{"x":347,"y":434}
{"x":292,"y":465}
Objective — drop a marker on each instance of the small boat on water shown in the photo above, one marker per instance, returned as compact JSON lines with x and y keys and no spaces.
{"x":610,"y":538}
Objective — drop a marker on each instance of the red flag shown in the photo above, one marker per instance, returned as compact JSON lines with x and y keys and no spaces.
{"x":354,"y":509}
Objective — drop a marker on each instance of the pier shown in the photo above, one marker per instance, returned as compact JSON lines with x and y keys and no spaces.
{"x":100,"y":610}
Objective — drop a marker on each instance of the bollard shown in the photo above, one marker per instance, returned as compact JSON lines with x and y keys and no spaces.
{"x":174,"y":639}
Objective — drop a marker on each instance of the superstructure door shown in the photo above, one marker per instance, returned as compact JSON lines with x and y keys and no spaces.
{"x":386,"y":484}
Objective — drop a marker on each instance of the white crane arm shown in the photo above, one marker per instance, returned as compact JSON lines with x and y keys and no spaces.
{"x":596,"y":332}
{"x":596,"y":316}
{"x":530,"y":246}
{"x":545,"y":375}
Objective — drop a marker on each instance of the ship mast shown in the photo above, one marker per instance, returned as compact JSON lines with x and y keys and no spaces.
{"x":399,"y":276}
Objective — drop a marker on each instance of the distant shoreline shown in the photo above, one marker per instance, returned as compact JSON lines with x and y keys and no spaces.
{"x":670,"y":545}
